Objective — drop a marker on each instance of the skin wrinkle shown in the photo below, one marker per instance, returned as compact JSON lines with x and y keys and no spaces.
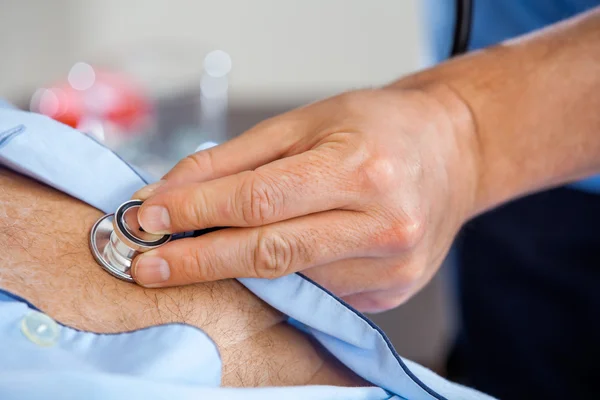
{"x":50,"y":265}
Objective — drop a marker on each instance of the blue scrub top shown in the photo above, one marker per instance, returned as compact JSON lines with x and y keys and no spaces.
{"x":495,"y":21}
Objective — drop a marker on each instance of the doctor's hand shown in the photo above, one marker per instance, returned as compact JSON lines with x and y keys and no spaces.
{"x":363,"y":193}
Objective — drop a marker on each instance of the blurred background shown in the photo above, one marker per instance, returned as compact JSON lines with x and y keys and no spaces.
{"x":155,"y":79}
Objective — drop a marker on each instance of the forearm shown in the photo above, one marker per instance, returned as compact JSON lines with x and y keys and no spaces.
{"x":45,"y":259}
{"x":534,"y":106}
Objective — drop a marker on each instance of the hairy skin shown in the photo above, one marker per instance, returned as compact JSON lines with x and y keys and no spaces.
{"x":45,"y":259}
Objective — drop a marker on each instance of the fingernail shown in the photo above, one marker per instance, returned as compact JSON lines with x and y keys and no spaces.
{"x":151,"y":271}
{"x":155,"y":219}
{"x":148,"y":190}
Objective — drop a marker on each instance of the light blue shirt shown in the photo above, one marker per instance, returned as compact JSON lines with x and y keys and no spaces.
{"x":495,"y":21}
{"x":41,"y":359}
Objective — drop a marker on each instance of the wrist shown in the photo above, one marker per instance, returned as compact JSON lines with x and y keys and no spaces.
{"x":466,"y":164}
{"x":455,"y":142}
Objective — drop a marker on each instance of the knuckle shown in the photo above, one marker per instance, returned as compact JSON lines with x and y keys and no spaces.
{"x":273,"y":256}
{"x":189,"y":210}
{"x":260,"y":200}
{"x":189,"y":266}
{"x":189,"y":163}
{"x":378,"y":175}
{"x":353,"y":101}
{"x":401,"y":234}
{"x":201,"y":162}
{"x":414,"y":231}
{"x":410,"y":233}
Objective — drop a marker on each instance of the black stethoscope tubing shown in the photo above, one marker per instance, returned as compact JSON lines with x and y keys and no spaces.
{"x":462,"y":27}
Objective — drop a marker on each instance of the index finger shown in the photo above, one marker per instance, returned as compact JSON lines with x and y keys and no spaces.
{"x":314,"y":181}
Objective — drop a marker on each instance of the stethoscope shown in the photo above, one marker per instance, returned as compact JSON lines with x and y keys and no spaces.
{"x":462,"y":27}
{"x":115,"y":239}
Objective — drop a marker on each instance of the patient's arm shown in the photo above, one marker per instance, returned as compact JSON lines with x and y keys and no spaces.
{"x":45,"y":259}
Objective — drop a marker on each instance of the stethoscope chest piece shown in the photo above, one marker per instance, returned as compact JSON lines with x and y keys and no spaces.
{"x":115,"y":239}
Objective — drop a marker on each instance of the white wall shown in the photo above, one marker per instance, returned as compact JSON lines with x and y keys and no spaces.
{"x":34,"y":44}
{"x":281,"y":49}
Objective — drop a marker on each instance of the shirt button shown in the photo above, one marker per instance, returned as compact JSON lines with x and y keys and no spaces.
{"x":40,"y":329}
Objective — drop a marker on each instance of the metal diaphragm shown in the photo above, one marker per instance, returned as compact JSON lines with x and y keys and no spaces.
{"x":115,"y":239}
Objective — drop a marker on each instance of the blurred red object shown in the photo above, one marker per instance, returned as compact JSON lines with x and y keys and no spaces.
{"x":109,"y":98}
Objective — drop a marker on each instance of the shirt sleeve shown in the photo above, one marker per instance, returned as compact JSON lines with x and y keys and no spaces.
{"x":5,"y":104}
{"x":64,"y":158}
